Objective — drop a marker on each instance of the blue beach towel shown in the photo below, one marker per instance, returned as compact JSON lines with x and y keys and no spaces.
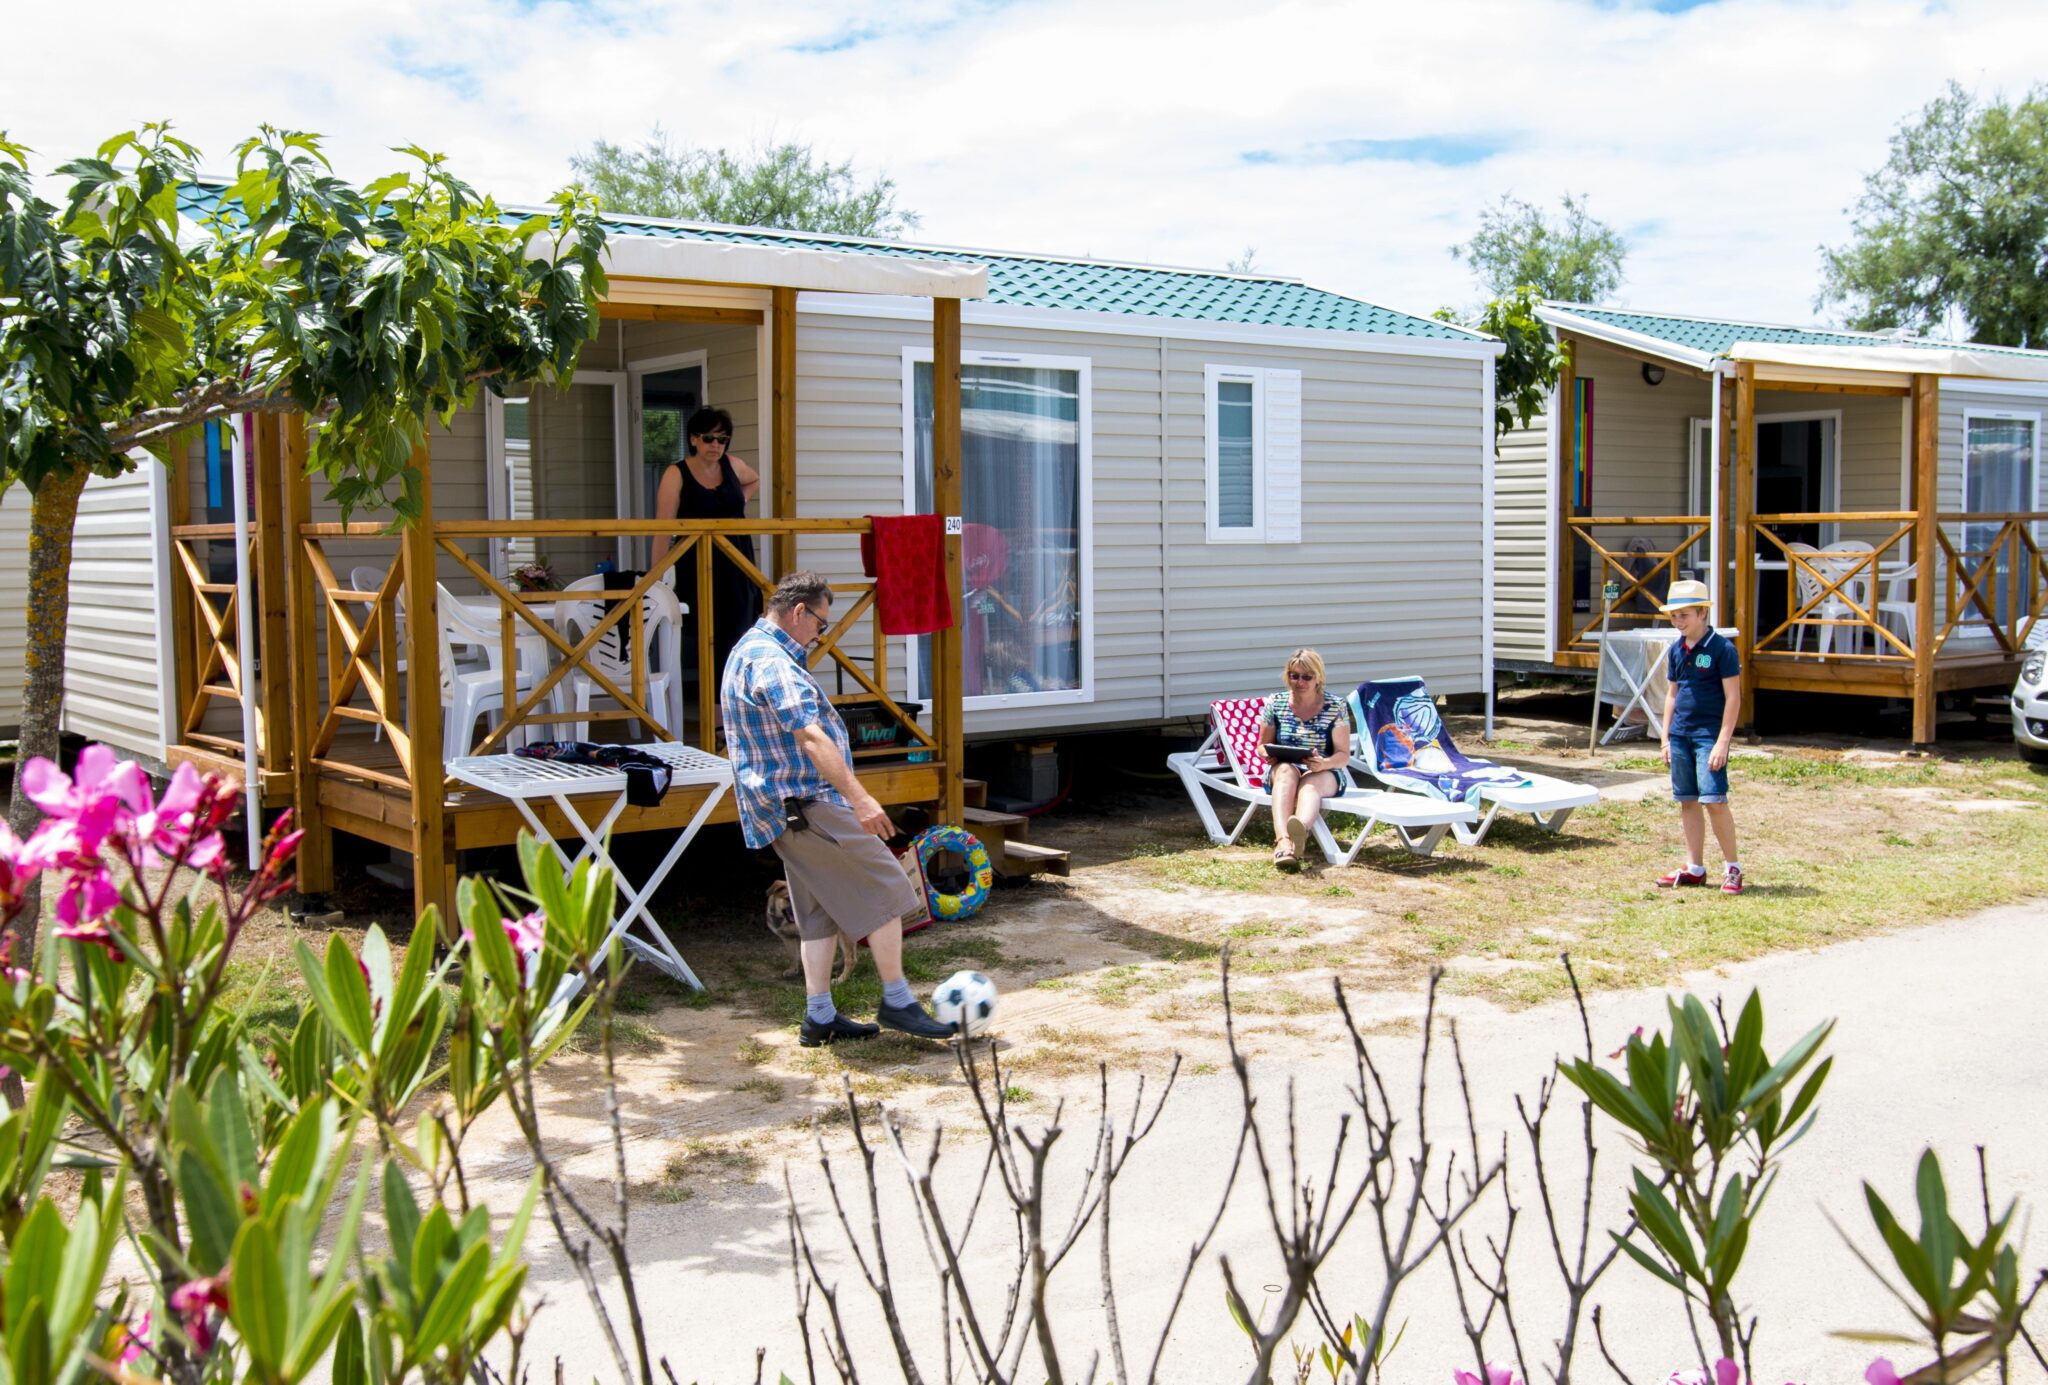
{"x":1405,"y":742}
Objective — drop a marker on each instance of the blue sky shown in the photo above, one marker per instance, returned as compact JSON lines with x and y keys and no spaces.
{"x":1349,"y":144}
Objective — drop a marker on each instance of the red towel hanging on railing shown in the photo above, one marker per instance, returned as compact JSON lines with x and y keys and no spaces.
{"x":906,"y":555}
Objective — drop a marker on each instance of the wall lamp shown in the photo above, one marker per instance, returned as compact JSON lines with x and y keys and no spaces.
{"x":1652,"y":374}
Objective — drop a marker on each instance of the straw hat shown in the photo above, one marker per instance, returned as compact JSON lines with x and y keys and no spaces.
{"x":1687,"y":594}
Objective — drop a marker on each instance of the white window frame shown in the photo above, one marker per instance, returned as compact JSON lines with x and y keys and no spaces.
{"x":1083,"y":366}
{"x":1214,"y":375}
{"x":2028,"y":416}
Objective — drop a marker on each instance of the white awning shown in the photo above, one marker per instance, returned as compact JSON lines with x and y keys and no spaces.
{"x":1902,"y":360}
{"x":790,"y":266}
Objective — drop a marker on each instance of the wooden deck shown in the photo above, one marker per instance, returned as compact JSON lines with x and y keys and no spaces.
{"x":1954,"y":671}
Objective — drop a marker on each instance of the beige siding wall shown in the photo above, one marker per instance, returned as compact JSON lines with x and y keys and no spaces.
{"x":111,"y":685}
{"x":14,"y":512}
{"x":1386,"y":579}
{"x":1521,"y":543}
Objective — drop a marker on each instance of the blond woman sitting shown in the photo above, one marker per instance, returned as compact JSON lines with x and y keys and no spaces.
{"x":1307,"y":739}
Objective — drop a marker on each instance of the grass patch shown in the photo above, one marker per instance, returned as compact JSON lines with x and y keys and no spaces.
{"x":767,"y":1088}
{"x":1836,"y":845}
{"x":754,"y":1053}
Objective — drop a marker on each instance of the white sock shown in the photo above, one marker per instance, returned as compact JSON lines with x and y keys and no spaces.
{"x":1735,"y":867}
{"x":1695,"y":869}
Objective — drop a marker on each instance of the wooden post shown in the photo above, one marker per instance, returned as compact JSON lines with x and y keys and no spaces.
{"x":947,"y":644}
{"x":1744,"y":511}
{"x":782,"y":420}
{"x":304,"y":620}
{"x":1926,"y":501}
{"x":1567,"y":444}
{"x":1724,"y":466}
{"x":432,"y":863}
{"x":272,"y":641}
{"x":708,"y":672}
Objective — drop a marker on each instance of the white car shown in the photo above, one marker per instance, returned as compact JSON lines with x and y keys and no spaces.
{"x":2030,"y":708}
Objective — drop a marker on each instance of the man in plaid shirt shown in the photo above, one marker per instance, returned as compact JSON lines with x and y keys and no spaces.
{"x":794,"y":782}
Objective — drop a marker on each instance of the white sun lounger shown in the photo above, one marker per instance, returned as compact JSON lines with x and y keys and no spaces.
{"x":1548,"y":801}
{"x":1229,"y":763}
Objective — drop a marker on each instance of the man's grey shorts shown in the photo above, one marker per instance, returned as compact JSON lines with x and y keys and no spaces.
{"x":841,"y":878}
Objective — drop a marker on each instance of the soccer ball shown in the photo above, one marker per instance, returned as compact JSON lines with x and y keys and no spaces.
{"x":967,"y":1001}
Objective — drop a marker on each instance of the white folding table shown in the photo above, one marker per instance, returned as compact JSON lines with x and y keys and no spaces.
{"x":525,"y":780}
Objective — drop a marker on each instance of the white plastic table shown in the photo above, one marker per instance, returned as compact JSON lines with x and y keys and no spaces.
{"x":524,"y":780}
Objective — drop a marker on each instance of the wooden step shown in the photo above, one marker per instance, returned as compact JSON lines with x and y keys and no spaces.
{"x":975,"y":792}
{"x":1004,"y":834}
{"x":1022,"y":858}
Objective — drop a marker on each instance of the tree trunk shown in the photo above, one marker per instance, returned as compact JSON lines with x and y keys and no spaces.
{"x":51,"y":521}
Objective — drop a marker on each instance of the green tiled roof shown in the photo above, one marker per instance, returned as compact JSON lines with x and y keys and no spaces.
{"x":1036,"y":281}
{"x":1714,"y":337}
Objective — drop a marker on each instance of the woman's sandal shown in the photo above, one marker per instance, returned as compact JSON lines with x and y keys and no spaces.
{"x":1284,"y":857}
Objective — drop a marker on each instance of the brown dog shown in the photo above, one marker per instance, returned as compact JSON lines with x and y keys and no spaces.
{"x":781,"y":921}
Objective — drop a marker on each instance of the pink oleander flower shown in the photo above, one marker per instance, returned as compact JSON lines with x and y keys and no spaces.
{"x":1624,"y":1043}
{"x":87,"y":898}
{"x":15,"y":873}
{"x":199,"y":1304}
{"x":1881,"y":1372}
{"x":1726,"y":1372}
{"x":1495,"y":1375}
{"x":130,"y":1344}
{"x":187,"y":820}
{"x":527,"y":933}
{"x":96,"y":933}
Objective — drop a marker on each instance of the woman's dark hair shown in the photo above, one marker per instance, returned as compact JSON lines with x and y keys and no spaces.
{"x":708,"y":421}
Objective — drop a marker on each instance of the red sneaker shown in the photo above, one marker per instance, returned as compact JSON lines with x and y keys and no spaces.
{"x":1681,"y":878}
{"x":1733,"y":883}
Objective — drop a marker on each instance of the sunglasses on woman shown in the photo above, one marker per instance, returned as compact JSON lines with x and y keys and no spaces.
{"x":721,"y":439}
{"x":1301,"y":678}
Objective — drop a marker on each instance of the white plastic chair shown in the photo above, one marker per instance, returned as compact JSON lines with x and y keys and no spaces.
{"x":1899,"y":609}
{"x":1829,"y":565}
{"x":1230,"y":763}
{"x":469,"y":694}
{"x":661,"y":617}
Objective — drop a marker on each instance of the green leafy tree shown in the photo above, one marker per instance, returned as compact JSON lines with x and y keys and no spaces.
{"x":1954,"y":223}
{"x":1527,"y":368}
{"x":1574,"y":257}
{"x":786,"y":186}
{"x":124,"y":325}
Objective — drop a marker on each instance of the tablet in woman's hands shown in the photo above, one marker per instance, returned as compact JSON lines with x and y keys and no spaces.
{"x":1289,"y":754}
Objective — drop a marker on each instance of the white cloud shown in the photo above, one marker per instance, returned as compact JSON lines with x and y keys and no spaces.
{"x":1728,"y":139}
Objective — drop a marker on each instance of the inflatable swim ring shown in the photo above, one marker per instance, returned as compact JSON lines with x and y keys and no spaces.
{"x":980,"y":873}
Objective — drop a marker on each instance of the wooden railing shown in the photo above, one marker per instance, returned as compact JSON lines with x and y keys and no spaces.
{"x":1835,"y":578}
{"x":207,"y":673}
{"x":2009,"y":572}
{"x":1637,"y":594}
{"x":364,"y":648}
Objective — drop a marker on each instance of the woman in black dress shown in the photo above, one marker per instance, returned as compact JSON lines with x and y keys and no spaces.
{"x":710,"y":483}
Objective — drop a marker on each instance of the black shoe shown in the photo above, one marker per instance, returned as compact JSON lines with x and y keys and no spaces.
{"x":810,"y":1033}
{"x":913,"y":1019}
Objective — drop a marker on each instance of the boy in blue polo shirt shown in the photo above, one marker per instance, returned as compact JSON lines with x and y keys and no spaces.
{"x":1700,"y":711}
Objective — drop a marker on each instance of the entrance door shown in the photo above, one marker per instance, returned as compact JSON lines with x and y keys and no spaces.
{"x":665,"y":393}
{"x":1796,"y":473}
{"x":556,"y":454}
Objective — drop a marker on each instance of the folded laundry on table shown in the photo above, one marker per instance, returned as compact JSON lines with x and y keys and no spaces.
{"x":647,"y":779}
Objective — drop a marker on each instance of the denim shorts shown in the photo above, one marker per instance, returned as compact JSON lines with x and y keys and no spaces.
{"x":1693,"y":778}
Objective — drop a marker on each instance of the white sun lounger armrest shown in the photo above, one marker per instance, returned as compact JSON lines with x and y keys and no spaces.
{"x":1420,"y":822}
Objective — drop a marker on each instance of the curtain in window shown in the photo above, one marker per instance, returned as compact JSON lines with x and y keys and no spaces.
{"x":1021,"y":495}
{"x":1235,"y":474}
{"x":1998,"y":478}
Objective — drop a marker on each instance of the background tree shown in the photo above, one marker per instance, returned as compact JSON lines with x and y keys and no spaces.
{"x":1574,"y":257}
{"x":1522,"y":256}
{"x":123,"y":327}
{"x":786,"y":186}
{"x":1955,"y":222}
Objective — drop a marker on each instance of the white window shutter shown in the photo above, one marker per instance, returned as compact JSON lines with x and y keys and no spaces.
{"x":1283,"y":456}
